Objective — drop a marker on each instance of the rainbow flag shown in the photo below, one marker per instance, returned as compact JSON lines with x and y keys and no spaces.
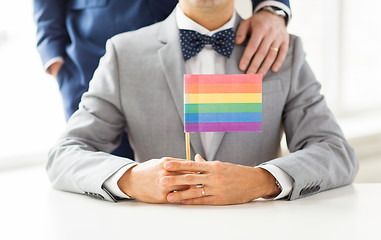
{"x":223,"y":103}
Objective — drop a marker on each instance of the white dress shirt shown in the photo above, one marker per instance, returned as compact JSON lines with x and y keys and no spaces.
{"x":207,"y":61}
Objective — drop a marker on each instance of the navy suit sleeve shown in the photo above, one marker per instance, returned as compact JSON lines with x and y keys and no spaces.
{"x":279,"y":3}
{"x":256,"y":2}
{"x":52,"y":36}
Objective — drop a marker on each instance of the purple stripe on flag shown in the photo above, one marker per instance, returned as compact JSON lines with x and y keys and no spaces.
{"x":224,"y":127}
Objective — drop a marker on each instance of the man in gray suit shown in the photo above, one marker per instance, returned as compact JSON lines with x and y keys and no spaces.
{"x":147,"y":102}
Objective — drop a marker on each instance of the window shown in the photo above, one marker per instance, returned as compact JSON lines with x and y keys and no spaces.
{"x":31,"y":110}
{"x":342,"y":46}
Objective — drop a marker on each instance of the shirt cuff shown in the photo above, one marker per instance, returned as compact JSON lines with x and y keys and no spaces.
{"x":282,"y":177}
{"x":277,"y":4}
{"x":111,"y":184}
{"x":53,"y":60}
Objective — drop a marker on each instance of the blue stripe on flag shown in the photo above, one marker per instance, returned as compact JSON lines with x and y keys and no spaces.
{"x":223,"y":117}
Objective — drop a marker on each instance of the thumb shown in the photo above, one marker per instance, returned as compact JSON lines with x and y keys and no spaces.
{"x":198,"y":158}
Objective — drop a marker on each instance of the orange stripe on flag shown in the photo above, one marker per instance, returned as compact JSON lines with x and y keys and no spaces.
{"x":223,"y":88}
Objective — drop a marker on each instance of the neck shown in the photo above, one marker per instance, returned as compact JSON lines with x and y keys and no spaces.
{"x":208,"y":14}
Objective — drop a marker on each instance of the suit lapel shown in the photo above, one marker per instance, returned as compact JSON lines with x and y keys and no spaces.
{"x":172,"y":62}
{"x":231,"y":68}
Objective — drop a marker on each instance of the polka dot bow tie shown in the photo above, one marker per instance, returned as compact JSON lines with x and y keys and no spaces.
{"x":193,"y":42}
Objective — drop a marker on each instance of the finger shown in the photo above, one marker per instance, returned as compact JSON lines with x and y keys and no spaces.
{"x":177,"y":173}
{"x":281,"y":57}
{"x":166,"y":159}
{"x":242,"y":31}
{"x":269,"y":60}
{"x":172,"y":159}
{"x":209,"y":200}
{"x":179,"y":188}
{"x":259,"y":56}
{"x":193,"y":192}
{"x":186,"y":166}
{"x":186,"y":179}
{"x":198,"y":158}
{"x":250,"y":50}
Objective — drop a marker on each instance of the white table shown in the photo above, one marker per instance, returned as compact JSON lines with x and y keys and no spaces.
{"x":30,"y":209}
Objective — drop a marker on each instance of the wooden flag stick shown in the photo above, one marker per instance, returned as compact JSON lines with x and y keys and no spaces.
{"x":187,"y":145}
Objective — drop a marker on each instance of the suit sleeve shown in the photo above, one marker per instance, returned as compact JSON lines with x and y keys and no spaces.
{"x":52,"y":35}
{"x":282,"y":4}
{"x":80,"y":161}
{"x":275,"y":3}
{"x":320,"y":157}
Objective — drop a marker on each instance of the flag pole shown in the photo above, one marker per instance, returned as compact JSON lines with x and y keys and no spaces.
{"x":187,"y":145}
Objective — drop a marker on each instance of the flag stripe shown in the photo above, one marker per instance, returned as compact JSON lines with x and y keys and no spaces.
{"x":222,"y":117}
{"x":224,"y":127}
{"x":223,"y":88}
{"x":224,"y":98}
{"x":223,"y":107}
{"x":222,"y":79}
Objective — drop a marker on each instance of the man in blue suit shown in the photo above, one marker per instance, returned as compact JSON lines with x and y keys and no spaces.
{"x":71,"y":37}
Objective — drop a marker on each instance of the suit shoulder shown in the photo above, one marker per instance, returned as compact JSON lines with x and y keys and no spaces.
{"x":295,"y":45}
{"x":138,"y":37}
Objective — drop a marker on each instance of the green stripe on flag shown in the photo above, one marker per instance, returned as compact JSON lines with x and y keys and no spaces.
{"x":223,"y":107}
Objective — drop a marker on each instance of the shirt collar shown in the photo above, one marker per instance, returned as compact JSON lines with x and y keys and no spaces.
{"x":184,"y":22}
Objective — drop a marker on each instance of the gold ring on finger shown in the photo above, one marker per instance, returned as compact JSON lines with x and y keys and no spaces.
{"x":274,"y":48}
{"x":202,"y":191}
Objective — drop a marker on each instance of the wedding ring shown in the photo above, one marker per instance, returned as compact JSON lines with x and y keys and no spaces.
{"x":274,"y":48}
{"x":202,"y":191}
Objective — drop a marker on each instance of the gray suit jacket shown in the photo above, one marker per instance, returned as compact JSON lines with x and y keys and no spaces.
{"x":138,"y":87}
